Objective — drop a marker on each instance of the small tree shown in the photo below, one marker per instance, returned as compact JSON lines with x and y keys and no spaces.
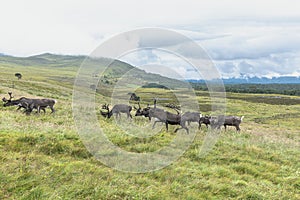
{"x":18,"y":75}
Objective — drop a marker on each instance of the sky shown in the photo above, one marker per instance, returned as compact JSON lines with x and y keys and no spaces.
{"x":242,"y":38}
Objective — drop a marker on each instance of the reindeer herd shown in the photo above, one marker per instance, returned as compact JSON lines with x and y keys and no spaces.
{"x":168,"y":118}
{"x":161,"y":115}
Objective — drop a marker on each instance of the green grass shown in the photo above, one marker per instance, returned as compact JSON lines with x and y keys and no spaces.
{"x":42,"y":156}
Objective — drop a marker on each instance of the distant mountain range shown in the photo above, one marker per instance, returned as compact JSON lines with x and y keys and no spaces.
{"x":257,"y":80}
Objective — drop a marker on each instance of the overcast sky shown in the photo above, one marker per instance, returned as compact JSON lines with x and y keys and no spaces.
{"x":243,"y":38}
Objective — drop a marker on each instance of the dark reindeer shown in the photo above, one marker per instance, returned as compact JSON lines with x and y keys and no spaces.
{"x":146,"y":111}
{"x":18,"y":75}
{"x":41,"y":104}
{"x":225,"y":121}
{"x":134,"y":97}
{"x":29,"y":104}
{"x":21,"y":103}
{"x":205,"y":120}
{"x":162,"y":116}
{"x":117,"y":109}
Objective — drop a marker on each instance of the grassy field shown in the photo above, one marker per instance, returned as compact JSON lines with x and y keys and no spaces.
{"x":42,"y":156}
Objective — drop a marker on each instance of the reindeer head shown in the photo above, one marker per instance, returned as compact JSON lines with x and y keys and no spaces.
{"x":8,"y":102}
{"x":4,"y":100}
{"x":105,"y":107}
{"x":142,"y":111}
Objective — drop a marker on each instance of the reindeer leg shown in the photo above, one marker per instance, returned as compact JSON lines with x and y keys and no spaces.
{"x":43,"y":109}
{"x":167,"y":126}
{"x":25,"y":111}
{"x":183,"y":126}
{"x":187,"y":130}
{"x":177,"y":129}
{"x":28,"y":110}
{"x":52,"y":109}
{"x":129,"y":115}
{"x":154,"y":124}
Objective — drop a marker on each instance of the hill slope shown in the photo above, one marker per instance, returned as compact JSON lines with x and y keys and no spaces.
{"x":42,"y":156}
{"x":115,"y":68}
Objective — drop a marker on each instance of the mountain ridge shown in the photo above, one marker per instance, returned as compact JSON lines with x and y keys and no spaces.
{"x":112,"y":70}
{"x":256,"y":80}
{"x":60,"y":60}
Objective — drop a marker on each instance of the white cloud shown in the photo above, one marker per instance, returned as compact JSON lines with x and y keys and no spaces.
{"x":259,"y":49}
{"x":240,"y":36}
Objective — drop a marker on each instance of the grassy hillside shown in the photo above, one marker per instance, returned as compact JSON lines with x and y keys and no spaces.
{"x":42,"y":156}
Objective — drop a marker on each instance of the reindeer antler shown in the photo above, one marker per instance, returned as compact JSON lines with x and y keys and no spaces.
{"x":176,"y":111}
{"x":104,"y":106}
{"x":10,"y":95}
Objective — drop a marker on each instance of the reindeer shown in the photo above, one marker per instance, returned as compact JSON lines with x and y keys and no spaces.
{"x":21,"y":103}
{"x":146,"y":111}
{"x":162,"y":116}
{"x":29,"y":104}
{"x":192,"y":117}
{"x":42,"y":103}
{"x":205,"y":120}
{"x":225,"y":121}
{"x":117,"y":109}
